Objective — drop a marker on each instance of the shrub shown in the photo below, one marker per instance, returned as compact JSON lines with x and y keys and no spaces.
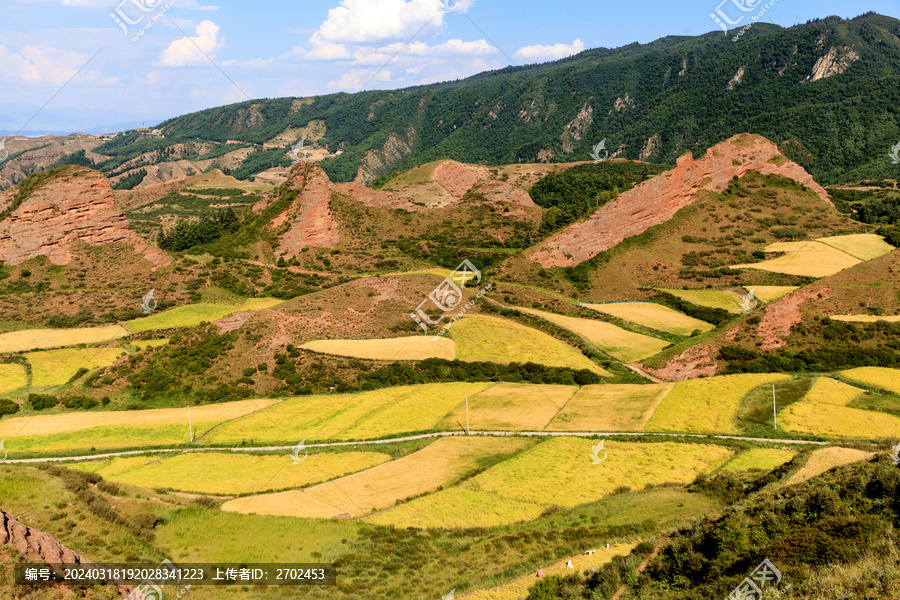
{"x":8,"y":407}
{"x":42,"y":401}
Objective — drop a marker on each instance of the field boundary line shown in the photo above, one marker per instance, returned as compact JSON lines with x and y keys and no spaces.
{"x":662,"y":396}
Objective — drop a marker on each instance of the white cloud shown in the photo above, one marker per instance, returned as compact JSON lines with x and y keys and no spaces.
{"x":373,"y":21}
{"x":538,"y":53}
{"x":354,"y":80}
{"x":42,"y":65}
{"x":190,"y":50}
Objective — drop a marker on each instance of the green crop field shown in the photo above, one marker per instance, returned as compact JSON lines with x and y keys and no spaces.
{"x":35,"y":339}
{"x":763,"y":459}
{"x":56,"y":367}
{"x":232,"y":473}
{"x":610,"y":407}
{"x":12,"y":377}
{"x":511,"y":407}
{"x":726,"y":300}
{"x":652,"y":315}
{"x":441,"y":463}
{"x":194,"y":314}
{"x":556,"y":472}
{"x":706,"y":405}
{"x":503,"y":341}
{"x":770,"y":293}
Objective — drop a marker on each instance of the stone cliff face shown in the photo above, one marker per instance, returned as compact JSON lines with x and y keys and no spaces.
{"x":36,"y":545}
{"x":656,"y":200}
{"x":76,"y":206}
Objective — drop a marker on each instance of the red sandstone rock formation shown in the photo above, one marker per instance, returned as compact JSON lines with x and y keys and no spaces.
{"x":455,"y":177}
{"x":78,"y":205}
{"x":657,"y":200}
{"x":782,"y":314}
{"x":370,"y":197}
{"x":312,"y":222}
{"x":498,"y":191}
{"x":36,"y":545}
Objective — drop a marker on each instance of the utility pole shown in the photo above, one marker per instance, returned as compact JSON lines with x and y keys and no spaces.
{"x":774,"y":412}
{"x":467,"y":415}
{"x":190,"y":427}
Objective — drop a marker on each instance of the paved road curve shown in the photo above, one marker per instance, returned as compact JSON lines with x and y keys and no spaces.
{"x":410,"y":438}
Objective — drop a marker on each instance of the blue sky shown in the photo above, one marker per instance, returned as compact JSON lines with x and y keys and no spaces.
{"x":67,"y":65}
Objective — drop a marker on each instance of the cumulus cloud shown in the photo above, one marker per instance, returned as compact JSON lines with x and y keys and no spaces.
{"x":538,"y":53}
{"x":190,"y":50}
{"x":41,"y":65}
{"x":374,"y":21}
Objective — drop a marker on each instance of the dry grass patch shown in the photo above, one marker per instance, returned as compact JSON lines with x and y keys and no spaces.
{"x":759,"y":459}
{"x":864,"y":246}
{"x":807,"y":259}
{"x":883,"y":377}
{"x":219,"y":473}
{"x":12,"y":377}
{"x":654,"y":316}
{"x":556,"y":472}
{"x":69,"y":422}
{"x":824,"y":411}
{"x":438,"y":464}
{"x":502,"y":341}
{"x":866,"y":318}
{"x":621,"y":407}
{"x":511,"y":407}
{"x":825,"y":459}
{"x":617,"y":342}
{"x":56,"y":367}
{"x":34,"y":339}
{"x":337,"y":416}
{"x":403,"y":348}
{"x":706,"y":405}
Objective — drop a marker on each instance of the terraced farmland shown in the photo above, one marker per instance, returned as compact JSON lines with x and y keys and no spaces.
{"x":403,"y":348}
{"x":762,"y":459}
{"x":807,"y":259}
{"x":726,"y":300}
{"x":56,"y":367}
{"x":511,"y":407}
{"x":610,"y":407}
{"x":654,"y":316}
{"x":12,"y":377}
{"x":194,"y":314}
{"x":883,"y":377}
{"x":35,"y":339}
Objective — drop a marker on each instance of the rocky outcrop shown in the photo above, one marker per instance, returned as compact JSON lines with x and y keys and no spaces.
{"x":370,"y":197}
{"x":498,"y":191}
{"x":77,"y":205}
{"x":781,"y":315}
{"x":455,"y":177}
{"x":36,"y":545}
{"x":656,"y":200}
{"x":310,"y":218}
{"x":834,"y":63}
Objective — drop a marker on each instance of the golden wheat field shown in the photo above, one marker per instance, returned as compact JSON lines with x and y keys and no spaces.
{"x":518,"y":587}
{"x":12,"y":377}
{"x":807,"y":259}
{"x":619,"y":343}
{"x":194,"y":314}
{"x":440,"y":463}
{"x":883,"y":377}
{"x":706,"y":405}
{"x":825,"y":459}
{"x":417,"y":347}
{"x":764,"y":459}
{"x":56,"y":367}
{"x":770,"y":293}
{"x":340,"y":416}
{"x":866,"y":318}
{"x":560,"y":472}
{"x":654,"y":316}
{"x":511,"y":407}
{"x":824,"y":411}
{"x":503,"y":341}
{"x":724,"y":299}
{"x":610,"y":407}
{"x":231,"y":473}
{"x":35,"y":339}
{"x":68,"y":422}
{"x":864,"y":246}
